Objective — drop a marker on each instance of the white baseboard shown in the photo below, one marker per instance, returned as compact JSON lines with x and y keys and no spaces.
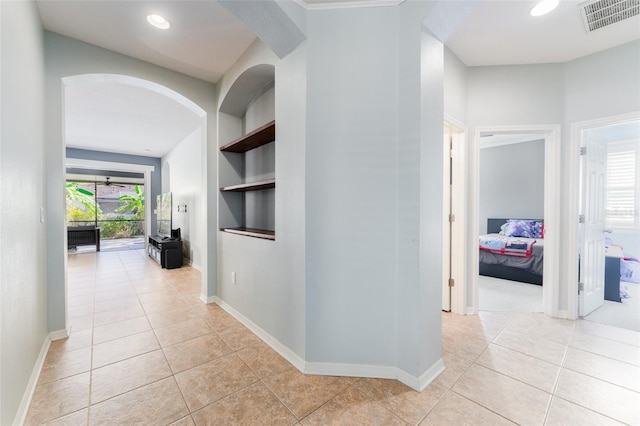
{"x":284,"y":351}
{"x":208,"y":300}
{"x":425,"y":378}
{"x":351,"y":370}
{"x":336,"y":369}
{"x":376,"y":371}
{"x":23,"y":408}
{"x":59,"y":334}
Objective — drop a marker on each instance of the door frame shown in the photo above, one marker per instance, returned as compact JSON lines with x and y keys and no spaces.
{"x":458,"y":269}
{"x":573,"y":209}
{"x":552,"y":200}
{"x":80,"y":163}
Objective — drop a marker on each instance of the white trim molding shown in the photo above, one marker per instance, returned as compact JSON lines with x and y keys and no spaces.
{"x":571,"y":233}
{"x":376,"y":371}
{"x":60,"y":334}
{"x":208,"y":300}
{"x":458,"y":259}
{"x":336,"y":369}
{"x":552,"y":202}
{"x":420,"y":383}
{"x":23,"y":408}
{"x":285,"y":352}
{"x":81,"y":163}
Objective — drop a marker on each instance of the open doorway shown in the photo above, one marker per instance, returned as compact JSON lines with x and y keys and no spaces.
{"x":609,"y":229}
{"x":551,"y":197}
{"x":105,"y":213}
{"x":511,"y":222}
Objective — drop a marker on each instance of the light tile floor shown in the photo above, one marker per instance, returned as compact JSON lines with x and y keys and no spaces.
{"x":144,"y":350}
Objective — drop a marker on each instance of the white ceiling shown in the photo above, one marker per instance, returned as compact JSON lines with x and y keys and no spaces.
{"x":504,"y":33}
{"x":127,"y":119}
{"x":205,"y":40}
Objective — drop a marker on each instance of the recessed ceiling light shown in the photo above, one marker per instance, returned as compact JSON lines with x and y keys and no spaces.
{"x":544,"y":7}
{"x":158,"y":21}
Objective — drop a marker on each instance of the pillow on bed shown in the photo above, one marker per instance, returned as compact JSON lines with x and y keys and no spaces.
{"x":521,"y":228}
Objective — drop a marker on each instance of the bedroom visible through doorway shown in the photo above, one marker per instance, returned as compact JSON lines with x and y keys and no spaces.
{"x":511,"y":195}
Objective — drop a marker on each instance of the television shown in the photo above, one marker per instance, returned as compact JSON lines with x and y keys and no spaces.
{"x":163,"y":216}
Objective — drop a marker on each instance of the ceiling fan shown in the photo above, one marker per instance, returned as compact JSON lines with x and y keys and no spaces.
{"x":109,"y":183}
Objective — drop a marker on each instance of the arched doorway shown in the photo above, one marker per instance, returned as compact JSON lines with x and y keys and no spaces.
{"x":120,"y":120}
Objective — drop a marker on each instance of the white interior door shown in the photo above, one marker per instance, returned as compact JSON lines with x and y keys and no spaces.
{"x":592,"y":255}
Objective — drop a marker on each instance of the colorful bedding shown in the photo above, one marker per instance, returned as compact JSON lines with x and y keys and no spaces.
{"x":526,"y":228}
{"x":532,"y":263}
{"x":507,"y":246}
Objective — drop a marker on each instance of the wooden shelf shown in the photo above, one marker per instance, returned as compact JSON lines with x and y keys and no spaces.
{"x":260,"y":136}
{"x":251,"y":232}
{"x":251,"y":186}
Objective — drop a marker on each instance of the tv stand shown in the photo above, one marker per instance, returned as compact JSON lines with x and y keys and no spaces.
{"x":166,"y":251}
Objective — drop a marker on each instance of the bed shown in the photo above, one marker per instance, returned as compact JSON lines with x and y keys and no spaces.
{"x":523,"y":265}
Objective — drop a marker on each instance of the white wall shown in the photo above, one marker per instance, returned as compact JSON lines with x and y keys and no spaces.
{"x":515,"y":95}
{"x":596,"y":86}
{"x":23,"y":274}
{"x":455,"y":87}
{"x":630,"y":243}
{"x":185,"y":184}
{"x":68,"y":57}
{"x":511,"y":182}
{"x":603,"y":84}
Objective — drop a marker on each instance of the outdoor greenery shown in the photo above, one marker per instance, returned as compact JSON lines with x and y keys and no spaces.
{"x":115,"y":226}
{"x":127,"y":222}
{"x":135,"y":203}
{"x":81,"y":203}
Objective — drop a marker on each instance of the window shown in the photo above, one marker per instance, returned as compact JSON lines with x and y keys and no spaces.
{"x":623,"y":184}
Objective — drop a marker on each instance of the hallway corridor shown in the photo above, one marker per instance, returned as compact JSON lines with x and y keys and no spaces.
{"x":145,"y":350}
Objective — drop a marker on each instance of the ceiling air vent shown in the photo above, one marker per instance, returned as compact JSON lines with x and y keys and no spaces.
{"x":600,"y":13}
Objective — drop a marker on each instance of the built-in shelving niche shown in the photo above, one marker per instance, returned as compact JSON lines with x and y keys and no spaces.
{"x":247,"y":162}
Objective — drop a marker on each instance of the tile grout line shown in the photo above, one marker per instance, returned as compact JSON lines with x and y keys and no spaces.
{"x":200,"y":315}
{"x":93,"y":326}
{"x":474,"y":362}
{"x":486,"y":408}
{"x":161,"y":348}
{"x":557,"y":380}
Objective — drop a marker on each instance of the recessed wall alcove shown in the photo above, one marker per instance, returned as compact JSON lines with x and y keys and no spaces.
{"x":246,"y":125}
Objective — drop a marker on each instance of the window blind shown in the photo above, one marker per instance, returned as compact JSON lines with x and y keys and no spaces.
{"x":623,"y":191}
